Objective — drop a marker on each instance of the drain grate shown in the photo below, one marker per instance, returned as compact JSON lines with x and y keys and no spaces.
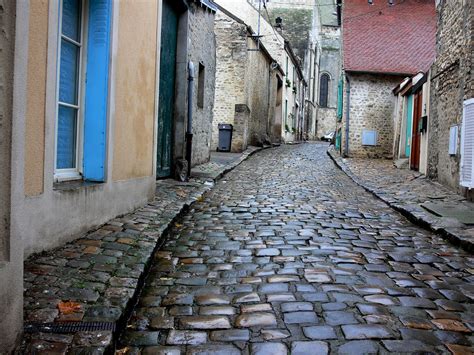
{"x":70,"y":327}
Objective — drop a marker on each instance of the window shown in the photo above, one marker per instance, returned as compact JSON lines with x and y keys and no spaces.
{"x":82,"y":90}
{"x":69,"y":95}
{"x":323,"y":90}
{"x":201,"y":84}
{"x":467,"y":145}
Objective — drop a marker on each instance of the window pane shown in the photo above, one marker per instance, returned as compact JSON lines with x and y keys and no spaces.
{"x":323,"y":93}
{"x":68,"y":72}
{"x":71,"y":25}
{"x":66,"y":146}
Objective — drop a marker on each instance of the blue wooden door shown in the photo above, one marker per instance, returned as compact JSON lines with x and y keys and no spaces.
{"x":169,"y":35}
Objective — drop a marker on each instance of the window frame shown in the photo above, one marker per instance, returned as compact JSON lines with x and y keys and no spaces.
{"x":327,"y":89}
{"x":68,"y":174}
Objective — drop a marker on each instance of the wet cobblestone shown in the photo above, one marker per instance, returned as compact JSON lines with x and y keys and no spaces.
{"x":287,"y":254}
{"x":406,"y":190}
{"x":100,"y":271}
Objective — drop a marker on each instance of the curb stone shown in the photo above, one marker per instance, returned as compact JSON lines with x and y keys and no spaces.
{"x":411,"y":211}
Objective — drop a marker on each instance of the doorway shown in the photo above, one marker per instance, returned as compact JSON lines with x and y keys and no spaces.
{"x":169,"y":37}
{"x":416,"y":135}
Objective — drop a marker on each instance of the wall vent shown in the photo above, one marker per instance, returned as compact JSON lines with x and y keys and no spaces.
{"x":369,"y":137}
{"x":467,"y":145}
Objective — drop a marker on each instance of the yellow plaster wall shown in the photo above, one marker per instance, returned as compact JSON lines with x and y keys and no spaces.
{"x":36,"y":93}
{"x":134,"y":116}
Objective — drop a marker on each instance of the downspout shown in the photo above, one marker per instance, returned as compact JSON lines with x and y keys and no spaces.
{"x":189,"y":127}
{"x":348,"y":107}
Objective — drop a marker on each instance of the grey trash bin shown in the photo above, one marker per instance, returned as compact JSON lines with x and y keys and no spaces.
{"x":225,"y":137}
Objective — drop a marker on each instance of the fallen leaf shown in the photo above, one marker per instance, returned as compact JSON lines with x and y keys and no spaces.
{"x":69,"y":307}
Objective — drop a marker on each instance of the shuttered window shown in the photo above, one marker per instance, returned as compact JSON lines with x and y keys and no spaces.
{"x":323,"y":90}
{"x":69,"y":108}
{"x":467,"y":145}
{"x":82,"y":104}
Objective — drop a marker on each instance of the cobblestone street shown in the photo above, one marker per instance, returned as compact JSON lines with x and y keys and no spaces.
{"x":287,"y":254}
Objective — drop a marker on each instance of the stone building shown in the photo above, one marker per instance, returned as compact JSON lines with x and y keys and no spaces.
{"x":412,"y":112}
{"x":248,"y":84}
{"x":380,"y":48}
{"x":452,"y":83}
{"x":329,"y":39}
{"x":313,"y":30}
{"x":289,"y":108}
{"x":188,"y":37}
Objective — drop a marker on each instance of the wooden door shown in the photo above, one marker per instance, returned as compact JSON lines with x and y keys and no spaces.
{"x":416,"y":135}
{"x":169,"y":35}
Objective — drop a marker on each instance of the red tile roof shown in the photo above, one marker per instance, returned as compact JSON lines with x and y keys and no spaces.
{"x":389,"y":39}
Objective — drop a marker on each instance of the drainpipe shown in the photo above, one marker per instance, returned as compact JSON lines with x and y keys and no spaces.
{"x":189,"y":128}
{"x":348,"y":107}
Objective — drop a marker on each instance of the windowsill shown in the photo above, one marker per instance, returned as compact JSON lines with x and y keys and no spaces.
{"x":74,"y":185}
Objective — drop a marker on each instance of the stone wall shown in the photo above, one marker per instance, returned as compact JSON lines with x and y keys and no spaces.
{"x":246,"y":87}
{"x":258,"y":84}
{"x":452,"y":83}
{"x":326,"y":121}
{"x":371,"y":107}
{"x":330,"y":63}
{"x":202,"y":50}
{"x":231,"y":60}
{"x":296,"y":25}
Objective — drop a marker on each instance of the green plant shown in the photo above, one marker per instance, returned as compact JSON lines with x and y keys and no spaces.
{"x":288,"y":83}
{"x":287,"y":128}
{"x":295,"y":90}
{"x":293,"y":130}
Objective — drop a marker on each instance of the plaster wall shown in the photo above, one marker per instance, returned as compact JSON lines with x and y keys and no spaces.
{"x":452,"y":83}
{"x":12,"y":51}
{"x":371,"y":107}
{"x":35,"y":116}
{"x":135,"y":90}
{"x":63,"y":212}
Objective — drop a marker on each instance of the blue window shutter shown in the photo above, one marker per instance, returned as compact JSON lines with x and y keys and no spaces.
{"x":97,"y":80}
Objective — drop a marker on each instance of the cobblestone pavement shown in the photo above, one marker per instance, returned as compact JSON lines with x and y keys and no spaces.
{"x":287,"y":254}
{"x":406,"y":190}
{"x":100,"y":271}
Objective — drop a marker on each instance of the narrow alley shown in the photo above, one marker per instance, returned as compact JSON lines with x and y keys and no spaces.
{"x":287,"y":254}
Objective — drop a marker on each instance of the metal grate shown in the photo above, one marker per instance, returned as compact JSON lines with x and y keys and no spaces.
{"x":70,"y":327}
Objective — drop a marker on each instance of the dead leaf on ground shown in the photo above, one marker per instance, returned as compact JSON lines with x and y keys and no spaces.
{"x":69,"y":307}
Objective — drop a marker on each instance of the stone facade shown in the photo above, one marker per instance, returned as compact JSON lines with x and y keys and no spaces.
{"x":202,"y":52}
{"x":371,"y":108}
{"x":452,"y":82}
{"x":246,"y":85}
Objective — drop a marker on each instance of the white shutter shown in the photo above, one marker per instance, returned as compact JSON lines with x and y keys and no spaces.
{"x":467,"y":145}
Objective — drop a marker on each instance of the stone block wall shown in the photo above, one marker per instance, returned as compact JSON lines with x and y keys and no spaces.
{"x":202,"y":50}
{"x":452,"y":83}
{"x":231,"y":60}
{"x":258,"y":83}
{"x":326,"y":121}
{"x":371,"y":107}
